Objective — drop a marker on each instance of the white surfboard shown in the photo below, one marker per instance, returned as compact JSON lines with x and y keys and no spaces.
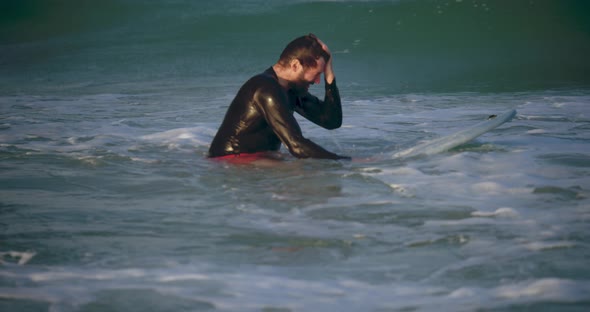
{"x":447,"y":142}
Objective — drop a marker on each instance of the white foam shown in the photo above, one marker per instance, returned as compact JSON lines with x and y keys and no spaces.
{"x":539,"y":246}
{"x":463,"y":293}
{"x":460,"y":222}
{"x":99,"y":275}
{"x":183,"y":277}
{"x":195,"y":136}
{"x":500,"y":212}
{"x":554,"y":289}
{"x":23,"y":257}
{"x":402,"y":190}
{"x":536,"y":131}
{"x":406,"y":171}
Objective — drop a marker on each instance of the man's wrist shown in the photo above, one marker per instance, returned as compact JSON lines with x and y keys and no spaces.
{"x":329,"y":77}
{"x":330,"y":84}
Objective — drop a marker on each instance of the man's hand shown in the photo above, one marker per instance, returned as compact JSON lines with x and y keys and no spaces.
{"x":329,"y":73}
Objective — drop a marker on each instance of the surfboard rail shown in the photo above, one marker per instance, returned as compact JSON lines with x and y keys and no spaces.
{"x":450,"y":141}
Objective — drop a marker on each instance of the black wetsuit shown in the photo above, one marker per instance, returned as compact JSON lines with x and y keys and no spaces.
{"x":261,"y":117}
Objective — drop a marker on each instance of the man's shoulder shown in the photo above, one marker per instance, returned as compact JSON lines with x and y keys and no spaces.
{"x":265,"y":83}
{"x":265,"y":78}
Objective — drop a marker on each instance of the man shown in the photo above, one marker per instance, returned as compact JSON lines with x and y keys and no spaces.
{"x":261,"y":115}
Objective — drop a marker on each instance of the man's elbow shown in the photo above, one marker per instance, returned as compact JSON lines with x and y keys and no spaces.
{"x":333,"y":124}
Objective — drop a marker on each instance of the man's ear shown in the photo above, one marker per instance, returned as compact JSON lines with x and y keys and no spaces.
{"x":295,"y":65}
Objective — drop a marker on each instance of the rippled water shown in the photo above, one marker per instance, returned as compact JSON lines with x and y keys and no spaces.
{"x":109,"y":204}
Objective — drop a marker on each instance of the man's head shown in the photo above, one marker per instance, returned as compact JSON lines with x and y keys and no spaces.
{"x":306,"y":57}
{"x":307,"y":49}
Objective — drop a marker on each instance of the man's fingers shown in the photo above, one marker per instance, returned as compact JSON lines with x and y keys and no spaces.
{"x":324,"y":46}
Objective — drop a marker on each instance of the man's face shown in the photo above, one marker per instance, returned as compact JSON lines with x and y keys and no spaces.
{"x":309,"y":76}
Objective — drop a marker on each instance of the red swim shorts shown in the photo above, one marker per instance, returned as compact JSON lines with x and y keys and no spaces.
{"x":246,"y":158}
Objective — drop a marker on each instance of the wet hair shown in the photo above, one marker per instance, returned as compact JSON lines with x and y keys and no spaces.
{"x":306,"y":49}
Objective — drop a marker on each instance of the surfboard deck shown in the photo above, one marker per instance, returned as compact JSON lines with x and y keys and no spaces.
{"x":450,"y":141}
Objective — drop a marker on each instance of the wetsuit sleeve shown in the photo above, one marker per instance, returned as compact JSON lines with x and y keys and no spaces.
{"x":326,"y":113}
{"x":275,"y":107}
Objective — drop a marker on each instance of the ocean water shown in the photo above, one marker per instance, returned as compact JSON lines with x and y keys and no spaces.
{"x":107,"y":202}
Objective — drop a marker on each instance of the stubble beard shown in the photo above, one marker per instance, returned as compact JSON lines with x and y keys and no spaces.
{"x":300,"y":86}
